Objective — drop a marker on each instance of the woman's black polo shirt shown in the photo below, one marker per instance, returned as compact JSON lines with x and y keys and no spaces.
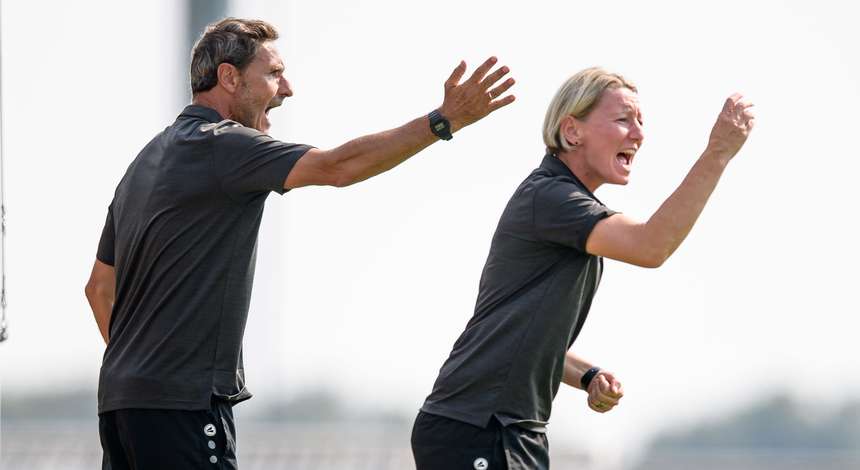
{"x":181,"y":233}
{"x":534,"y":295}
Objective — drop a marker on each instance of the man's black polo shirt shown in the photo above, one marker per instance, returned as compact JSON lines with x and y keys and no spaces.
{"x":534,"y":295}
{"x":181,"y":233}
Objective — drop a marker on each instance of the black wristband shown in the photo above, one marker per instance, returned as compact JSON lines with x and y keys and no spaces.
{"x":588,"y":376}
{"x":440,"y":126}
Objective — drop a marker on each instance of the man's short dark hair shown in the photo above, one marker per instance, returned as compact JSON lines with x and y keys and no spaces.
{"x":231,"y":40}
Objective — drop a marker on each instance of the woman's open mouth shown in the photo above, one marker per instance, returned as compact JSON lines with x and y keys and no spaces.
{"x":625,"y":158}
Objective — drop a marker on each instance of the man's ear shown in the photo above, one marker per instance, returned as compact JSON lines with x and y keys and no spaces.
{"x":570,"y":130}
{"x":228,"y":77}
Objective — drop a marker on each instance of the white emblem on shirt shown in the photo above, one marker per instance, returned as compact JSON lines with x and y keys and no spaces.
{"x":481,"y":464}
{"x":219,"y":126}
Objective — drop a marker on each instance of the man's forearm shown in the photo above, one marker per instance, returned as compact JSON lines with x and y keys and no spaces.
{"x":373,"y":154}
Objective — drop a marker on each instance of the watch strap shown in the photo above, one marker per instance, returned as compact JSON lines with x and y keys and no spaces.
{"x":588,"y":376}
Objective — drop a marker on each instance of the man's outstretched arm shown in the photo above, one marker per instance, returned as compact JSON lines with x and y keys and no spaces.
{"x":100,"y":290}
{"x":364,"y":157}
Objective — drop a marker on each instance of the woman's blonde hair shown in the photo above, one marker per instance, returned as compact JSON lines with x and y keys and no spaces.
{"x":577,"y":97}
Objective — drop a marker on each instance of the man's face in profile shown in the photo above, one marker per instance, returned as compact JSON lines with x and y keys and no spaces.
{"x":262,"y":88}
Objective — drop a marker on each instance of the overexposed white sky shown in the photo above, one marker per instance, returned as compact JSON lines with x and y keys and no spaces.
{"x":363,"y":290}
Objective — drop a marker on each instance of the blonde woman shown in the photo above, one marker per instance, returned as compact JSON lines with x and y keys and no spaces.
{"x":492,"y":400}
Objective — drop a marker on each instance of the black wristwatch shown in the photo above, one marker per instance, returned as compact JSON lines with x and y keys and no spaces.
{"x":439,"y":125}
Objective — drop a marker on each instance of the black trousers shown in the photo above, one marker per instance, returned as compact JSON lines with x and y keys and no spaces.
{"x":142,"y":439}
{"x":440,"y":443}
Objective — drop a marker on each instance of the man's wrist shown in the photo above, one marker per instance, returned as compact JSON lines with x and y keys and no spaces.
{"x":453,"y":117}
{"x":440,"y":125}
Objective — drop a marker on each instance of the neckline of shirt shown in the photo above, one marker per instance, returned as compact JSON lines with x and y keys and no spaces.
{"x":553,"y":163}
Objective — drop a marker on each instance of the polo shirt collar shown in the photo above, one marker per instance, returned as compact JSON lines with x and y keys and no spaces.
{"x":202,"y":112}
{"x":557,"y":167}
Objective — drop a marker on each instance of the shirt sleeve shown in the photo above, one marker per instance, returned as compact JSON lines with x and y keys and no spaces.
{"x":566,"y":214}
{"x":105,"y":253}
{"x":249,"y":162}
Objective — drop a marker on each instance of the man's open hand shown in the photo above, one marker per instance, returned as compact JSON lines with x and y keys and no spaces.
{"x":477,"y":96}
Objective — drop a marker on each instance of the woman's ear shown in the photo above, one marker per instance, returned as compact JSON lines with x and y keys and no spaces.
{"x":570,"y":130}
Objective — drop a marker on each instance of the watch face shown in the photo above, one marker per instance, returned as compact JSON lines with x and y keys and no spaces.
{"x":439,"y":125}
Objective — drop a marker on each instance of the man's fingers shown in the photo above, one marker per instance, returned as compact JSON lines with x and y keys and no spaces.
{"x":494,"y":77}
{"x":479,"y":95}
{"x":499,"y":90}
{"x":456,"y":75}
{"x":482,"y":70}
{"x":494,"y":105}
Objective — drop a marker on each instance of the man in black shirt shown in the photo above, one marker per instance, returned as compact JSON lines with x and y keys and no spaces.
{"x":171,"y":284}
{"x":493,"y":397}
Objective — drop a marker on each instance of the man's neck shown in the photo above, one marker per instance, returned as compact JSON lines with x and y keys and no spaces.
{"x":210,"y":99}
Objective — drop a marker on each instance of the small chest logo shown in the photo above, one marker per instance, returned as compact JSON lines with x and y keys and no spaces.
{"x":209,"y":430}
{"x":481,"y":464}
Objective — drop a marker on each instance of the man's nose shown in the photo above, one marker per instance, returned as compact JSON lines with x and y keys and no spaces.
{"x":284,"y":88}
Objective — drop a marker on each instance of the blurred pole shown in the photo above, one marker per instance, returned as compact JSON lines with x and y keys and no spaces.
{"x":199,"y":14}
{"x":3,"y":332}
